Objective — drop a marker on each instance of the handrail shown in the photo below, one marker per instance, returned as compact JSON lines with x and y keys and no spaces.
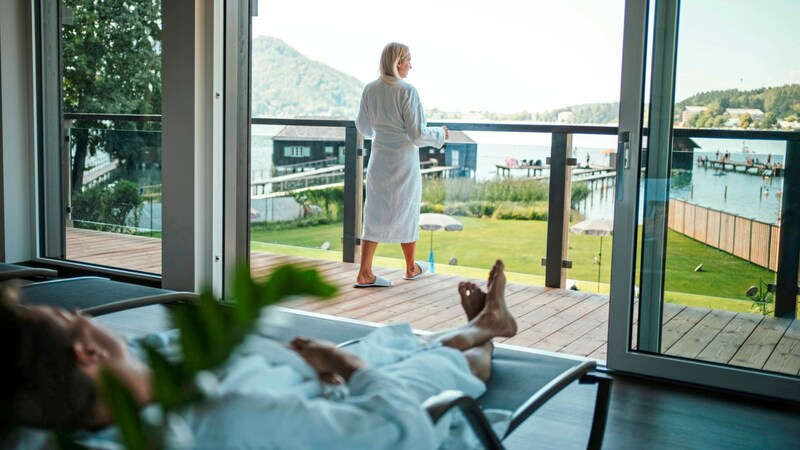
{"x":461,"y":126}
{"x":117,"y":117}
{"x":717,"y":133}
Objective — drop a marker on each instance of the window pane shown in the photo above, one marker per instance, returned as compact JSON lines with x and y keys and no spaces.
{"x":712,"y":213}
{"x":111,"y":86}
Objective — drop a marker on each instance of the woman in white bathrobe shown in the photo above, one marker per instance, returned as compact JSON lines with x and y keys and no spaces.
{"x":392,"y":116}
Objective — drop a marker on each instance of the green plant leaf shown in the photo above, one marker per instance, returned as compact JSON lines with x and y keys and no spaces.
{"x":244,"y":291}
{"x":213,"y":320}
{"x":66,"y":441}
{"x":190,"y":338}
{"x":125,"y":412}
{"x":167,"y":379}
{"x":209,"y":333}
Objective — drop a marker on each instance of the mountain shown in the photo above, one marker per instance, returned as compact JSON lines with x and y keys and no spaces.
{"x":781,"y":101}
{"x":602,"y":113}
{"x":287,"y":84}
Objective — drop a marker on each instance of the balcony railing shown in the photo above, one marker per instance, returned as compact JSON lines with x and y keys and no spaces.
{"x":559,"y":167}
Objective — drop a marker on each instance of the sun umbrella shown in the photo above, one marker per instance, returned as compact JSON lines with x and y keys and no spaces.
{"x":432,"y":222}
{"x":595,"y":227}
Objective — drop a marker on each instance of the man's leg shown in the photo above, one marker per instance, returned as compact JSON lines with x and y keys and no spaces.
{"x":488,"y":318}
{"x":365,"y":275}
{"x":479,"y":359}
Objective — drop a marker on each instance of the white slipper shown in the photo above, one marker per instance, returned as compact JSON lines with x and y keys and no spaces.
{"x":379,"y":282}
{"x":423,"y":269}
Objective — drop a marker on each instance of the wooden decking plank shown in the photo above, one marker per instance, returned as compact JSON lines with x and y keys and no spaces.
{"x":589,"y":343}
{"x":759,"y":346}
{"x":354,"y":298}
{"x":700,"y":336}
{"x":679,"y":325}
{"x":446,"y":297}
{"x":414,"y":299}
{"x":545,"y":321}
{"x":728,"y":341}
{"x":601,"y":353}
{"x":786,"y":357}
{"x":581,"y":325}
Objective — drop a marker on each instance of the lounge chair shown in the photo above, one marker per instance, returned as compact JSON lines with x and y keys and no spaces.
{"x":11,"y":271}
{"x":97,"y":296}
{"x":522,"y":380}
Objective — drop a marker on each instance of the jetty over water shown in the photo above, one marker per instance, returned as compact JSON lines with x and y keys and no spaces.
{"x":586,"y":173}
{"x":322,"y":178}
{"x":769,"y":170}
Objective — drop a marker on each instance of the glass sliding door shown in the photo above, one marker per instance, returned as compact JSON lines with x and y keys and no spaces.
{"x":102,"y":126}
{"x":705,"y":263}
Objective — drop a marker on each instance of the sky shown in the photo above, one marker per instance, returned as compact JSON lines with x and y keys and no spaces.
{"x":534,"y":55}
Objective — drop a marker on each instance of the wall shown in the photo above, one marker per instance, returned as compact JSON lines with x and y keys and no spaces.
{"x":18,"y":143}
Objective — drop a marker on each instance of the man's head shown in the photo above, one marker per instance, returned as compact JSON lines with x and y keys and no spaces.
{"x":53,"y":359}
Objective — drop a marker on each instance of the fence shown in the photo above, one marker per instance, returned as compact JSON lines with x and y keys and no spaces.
{"x":748,"y":239}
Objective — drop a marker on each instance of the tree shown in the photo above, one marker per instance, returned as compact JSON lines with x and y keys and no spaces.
{"x":769,"y":120}
{"x":111,"y":64}
{"x":745,"y":120}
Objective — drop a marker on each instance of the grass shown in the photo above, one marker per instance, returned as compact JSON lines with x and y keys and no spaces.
{"x":521,"y":244}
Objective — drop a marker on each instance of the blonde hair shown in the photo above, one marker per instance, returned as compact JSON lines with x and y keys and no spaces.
{"x":393,"y":54}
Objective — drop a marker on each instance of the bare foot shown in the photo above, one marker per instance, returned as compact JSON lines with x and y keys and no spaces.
{"x":416,"y":271}
{"x":495,"y":316}
{"x":367,"y":278}
{"x":472,"y":298}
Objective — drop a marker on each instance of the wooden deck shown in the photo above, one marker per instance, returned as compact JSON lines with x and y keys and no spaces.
{"x":564,"y":321}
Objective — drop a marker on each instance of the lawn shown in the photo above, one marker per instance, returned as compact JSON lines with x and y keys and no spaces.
{"x":521,"y":244}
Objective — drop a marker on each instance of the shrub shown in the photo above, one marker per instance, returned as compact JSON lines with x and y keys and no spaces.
{"x":108,"y":208}
{"x":521,"y":199}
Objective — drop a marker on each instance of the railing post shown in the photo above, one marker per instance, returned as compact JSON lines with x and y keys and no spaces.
{"x":558,"y":210}
{"x":353,"y":194}
{"x":789,"y":248}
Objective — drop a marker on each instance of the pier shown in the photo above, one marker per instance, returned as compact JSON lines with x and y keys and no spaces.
{"x":324,"y":177}
{"x":504,"y":170}
{"x":769,"y":170}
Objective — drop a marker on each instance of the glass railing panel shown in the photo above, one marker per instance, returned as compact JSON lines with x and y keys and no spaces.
{"x":591,"y":222}
{"x":296,"y":193}
{"x":496,"y":185}
{"x":115,"y":198}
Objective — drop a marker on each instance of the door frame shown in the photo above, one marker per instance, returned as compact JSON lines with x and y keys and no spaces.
{"x":621,"y":302}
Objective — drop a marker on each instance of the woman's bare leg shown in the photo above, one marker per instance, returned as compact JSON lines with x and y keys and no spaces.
{"x":409,"y":253}
{"x":365,"y":275}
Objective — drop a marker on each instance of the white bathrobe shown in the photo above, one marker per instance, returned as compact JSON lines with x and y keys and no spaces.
{"x":268,"y":397}
{"x":392,"y":116}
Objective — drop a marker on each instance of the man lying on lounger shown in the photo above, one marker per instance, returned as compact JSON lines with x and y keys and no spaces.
{"x":269,"y":395}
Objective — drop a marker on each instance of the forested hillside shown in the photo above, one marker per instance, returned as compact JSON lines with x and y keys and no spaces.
{"x":602,"y":113}
{"x":287,"y":84}
{"x":782,"y":101}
